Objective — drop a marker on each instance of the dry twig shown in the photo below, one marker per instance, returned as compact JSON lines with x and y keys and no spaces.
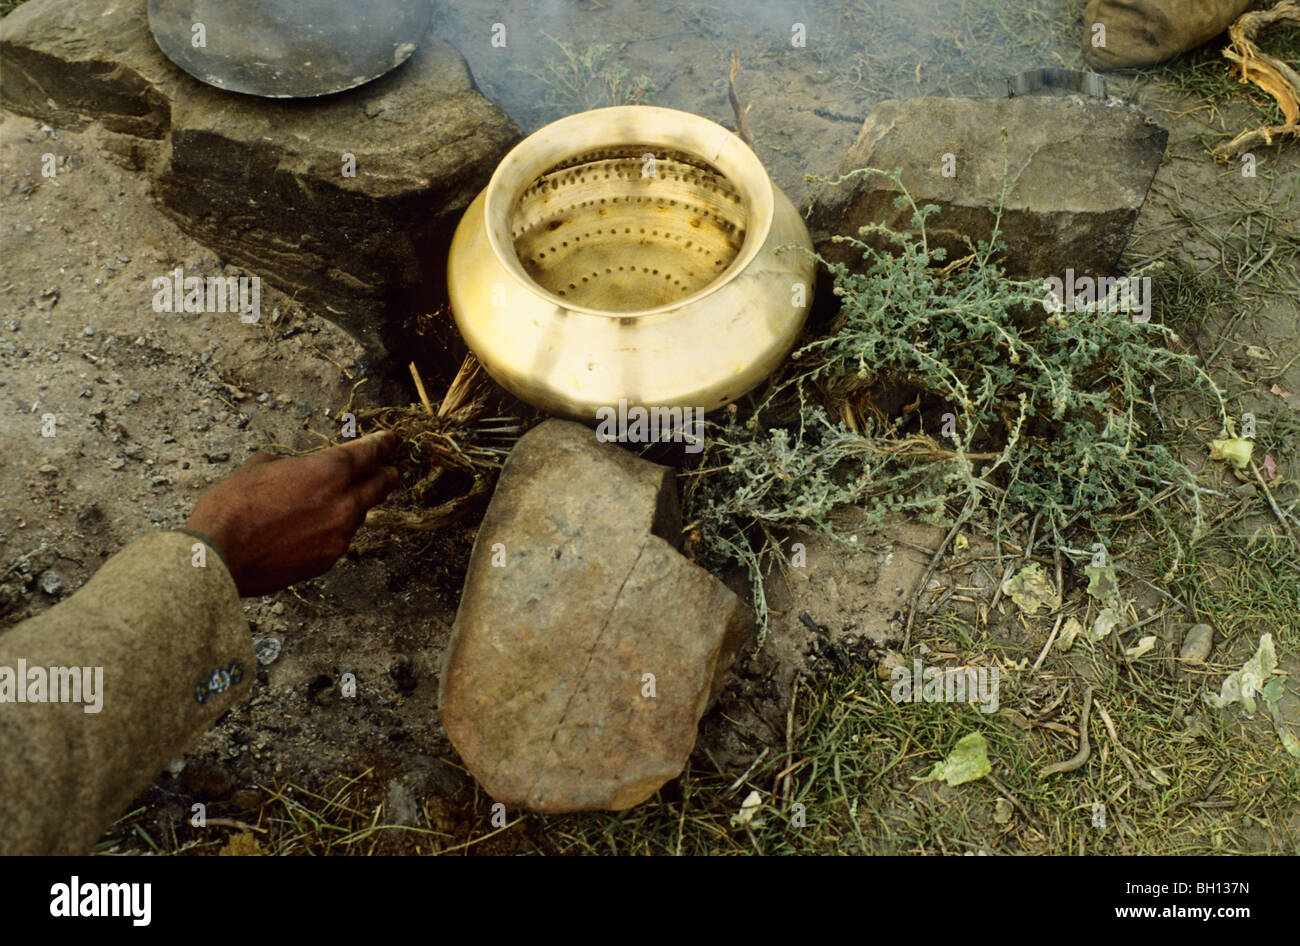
{"x":742,"y":126}
{"x":1085,"y":750}
{"x":1269,"y":73}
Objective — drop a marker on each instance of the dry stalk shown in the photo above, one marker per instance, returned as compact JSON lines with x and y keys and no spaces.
{"x":1268,"y":72}
{"x":742,"y":125}
{"x":453,"y":438}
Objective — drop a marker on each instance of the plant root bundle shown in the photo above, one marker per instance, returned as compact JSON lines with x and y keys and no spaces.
{"x":1269,"y":73}
{"x":448,"y":456}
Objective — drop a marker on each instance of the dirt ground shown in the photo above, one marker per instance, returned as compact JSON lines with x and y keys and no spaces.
{"x":154,"y":407}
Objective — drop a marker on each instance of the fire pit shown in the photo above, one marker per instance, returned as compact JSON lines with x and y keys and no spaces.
{"x":630,"y":254}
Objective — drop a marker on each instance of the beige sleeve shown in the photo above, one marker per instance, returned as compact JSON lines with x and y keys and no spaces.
{"x":169,"y":641}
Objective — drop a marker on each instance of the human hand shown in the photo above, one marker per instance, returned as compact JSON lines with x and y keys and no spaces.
{"x":281,"y":520}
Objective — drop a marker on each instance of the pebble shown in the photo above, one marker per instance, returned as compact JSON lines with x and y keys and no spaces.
{"x":219,"y":456}
{"x":51,"y":583}
{"x":1197,"y":644}
{"x":266,"y":648}
{"x":400,"y":805}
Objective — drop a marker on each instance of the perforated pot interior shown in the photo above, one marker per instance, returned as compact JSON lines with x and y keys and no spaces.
{"x":603,"y":234}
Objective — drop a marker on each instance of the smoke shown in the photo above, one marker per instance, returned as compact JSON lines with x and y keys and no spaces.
{"x":810,"y":70}
{"x":838,"y":55}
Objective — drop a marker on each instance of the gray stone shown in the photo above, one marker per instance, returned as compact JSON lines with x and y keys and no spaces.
{"x":575,"y":592}
{"x":51,"y":582}
{"x":261,"y":180}
{"x":1197,"y":644}
{"x":400,"y":804}
{"x":266,"y":648}
{"x":1078,"y":172}
{"x":73,"y":62}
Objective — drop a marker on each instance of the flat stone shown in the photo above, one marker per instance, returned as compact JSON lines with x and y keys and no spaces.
{"x":1197,"y":644}
{"x":1077,"y":173}
{"x":73,"y":62}
{"x":262,"y":181}
{"x":544,"y":689}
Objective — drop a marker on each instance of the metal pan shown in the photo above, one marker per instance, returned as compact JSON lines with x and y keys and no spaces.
{"x":288,"y":48}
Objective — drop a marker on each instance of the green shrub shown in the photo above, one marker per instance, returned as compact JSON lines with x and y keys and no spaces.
{"x":1043,"y":414}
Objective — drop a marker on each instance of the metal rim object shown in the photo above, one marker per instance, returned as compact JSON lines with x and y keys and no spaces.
{"x":1056,"y":78}
{"x":288,"y":48}
{"x":634,"y":254}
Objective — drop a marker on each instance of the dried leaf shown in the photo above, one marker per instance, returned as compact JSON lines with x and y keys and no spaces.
{"x":1102,"y":583}
{"x":1143,"y":646}
{"x":1073,"y":626}
{"x":1106,"y":622}
{"x":1030,"y":589}
{"x":967,"y":762}
{"x":1249,"y":680}
{"x":748,"y":809}
{"x":1272,"y":691}
{"x":1236,"y":450}
{"x":1289,"y":742}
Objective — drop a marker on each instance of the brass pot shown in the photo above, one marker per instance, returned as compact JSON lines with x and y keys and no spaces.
{"x":630,"y":253}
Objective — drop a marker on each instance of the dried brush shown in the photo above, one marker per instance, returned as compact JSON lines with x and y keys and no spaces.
{"x":448,"y":456}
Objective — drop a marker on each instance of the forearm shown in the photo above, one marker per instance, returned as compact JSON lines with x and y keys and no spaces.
{"x":159,"y":625}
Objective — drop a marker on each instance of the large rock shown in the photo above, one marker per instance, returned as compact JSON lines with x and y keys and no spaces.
{"x":262,"y":180}
{"x":72,"y":62}
{"x":1077,"y":173}
{"x":575,"y":593}
{"x":1119,"y":34}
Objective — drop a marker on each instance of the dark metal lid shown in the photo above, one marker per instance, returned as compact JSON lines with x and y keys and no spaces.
{"x":288,"y":48}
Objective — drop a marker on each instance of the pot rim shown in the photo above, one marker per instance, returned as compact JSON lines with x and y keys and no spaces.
{"x":650,"y":125}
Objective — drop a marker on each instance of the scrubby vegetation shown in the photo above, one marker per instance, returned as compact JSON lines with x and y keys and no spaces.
{"x":1013,"y":407}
